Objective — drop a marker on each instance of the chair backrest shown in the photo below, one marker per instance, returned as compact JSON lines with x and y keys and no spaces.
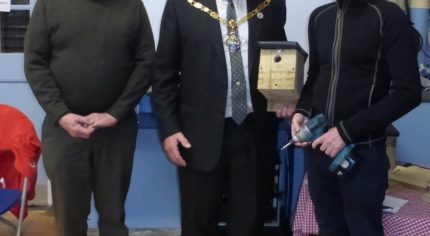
{"x":17,"y":135}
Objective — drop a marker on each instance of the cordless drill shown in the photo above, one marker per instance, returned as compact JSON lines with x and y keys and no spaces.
{"x":313,"y":129}
{"x":310,"y":131}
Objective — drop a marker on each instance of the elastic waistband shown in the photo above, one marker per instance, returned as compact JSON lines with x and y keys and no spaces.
{"x":372,"y":142}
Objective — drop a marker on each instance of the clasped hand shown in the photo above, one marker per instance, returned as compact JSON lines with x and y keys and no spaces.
{"x":84,"y":126}
{"x":330,"y":142}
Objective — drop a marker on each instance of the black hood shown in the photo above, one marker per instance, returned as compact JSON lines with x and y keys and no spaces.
{"x":351,"y":2}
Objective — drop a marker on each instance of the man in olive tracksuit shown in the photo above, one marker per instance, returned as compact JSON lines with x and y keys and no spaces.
{"x":89,"y":63}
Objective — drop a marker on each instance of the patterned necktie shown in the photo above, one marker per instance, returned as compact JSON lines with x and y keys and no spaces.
{"x":238,"y":86}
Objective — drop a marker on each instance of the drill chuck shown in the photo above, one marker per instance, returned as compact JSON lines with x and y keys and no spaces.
{"x":309,"y":131}
{"x":303,"y":135}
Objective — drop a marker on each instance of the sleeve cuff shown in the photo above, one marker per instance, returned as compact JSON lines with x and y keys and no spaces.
{"x":304,"y":112}
{"x":119,"y":114}
{"x":344,"y":134}
{"x":165,"y":132}
{"x":56,"y":115}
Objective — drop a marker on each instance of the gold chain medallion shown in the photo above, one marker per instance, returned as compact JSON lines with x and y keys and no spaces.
{"x":232,"y":41}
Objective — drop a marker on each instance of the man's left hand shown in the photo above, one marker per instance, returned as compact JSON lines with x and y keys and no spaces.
{"x":330,"y":143}
{"x":102,"y":120}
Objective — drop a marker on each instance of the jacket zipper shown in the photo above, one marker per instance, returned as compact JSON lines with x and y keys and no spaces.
{"x":335,"y":62}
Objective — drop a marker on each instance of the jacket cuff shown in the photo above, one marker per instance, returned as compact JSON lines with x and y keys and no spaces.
{"x":58,"y":113}
{"x":344,"y":133}
{"x":304,"y":112}
{"x":118,"y":113}
{"x":166,"y":132}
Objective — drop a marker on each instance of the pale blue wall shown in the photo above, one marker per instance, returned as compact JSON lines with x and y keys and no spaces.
{"x":413,"y":145}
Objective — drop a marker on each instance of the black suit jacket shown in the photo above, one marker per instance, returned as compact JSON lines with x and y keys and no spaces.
{"x":190,"y":79}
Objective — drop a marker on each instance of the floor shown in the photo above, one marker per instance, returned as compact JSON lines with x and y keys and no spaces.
{"x":40,"y":222}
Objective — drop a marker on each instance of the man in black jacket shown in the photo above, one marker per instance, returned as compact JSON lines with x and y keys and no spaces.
{"x":363,"y":75}
{"x":88,"y":64}
{"x":213,"y":120}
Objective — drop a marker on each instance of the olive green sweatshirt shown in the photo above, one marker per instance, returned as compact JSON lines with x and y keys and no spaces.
{"x":85,"y":56}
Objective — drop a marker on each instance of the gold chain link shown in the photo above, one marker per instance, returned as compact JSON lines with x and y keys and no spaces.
{"x":232,"y":23}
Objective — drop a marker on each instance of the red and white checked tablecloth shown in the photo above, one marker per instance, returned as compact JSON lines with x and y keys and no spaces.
{"x":413,"y":219}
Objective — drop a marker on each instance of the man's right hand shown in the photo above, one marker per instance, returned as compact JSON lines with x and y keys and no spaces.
{"x":171,"y":147}
{"x":286,"y":111}
{"x":77,"y":126}
{"x":296,"y":123}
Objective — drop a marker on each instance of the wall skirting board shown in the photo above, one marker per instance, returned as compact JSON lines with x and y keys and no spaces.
{"x":426,"y":94}
{"x":145,"y":232}
{"x":43,"y":195}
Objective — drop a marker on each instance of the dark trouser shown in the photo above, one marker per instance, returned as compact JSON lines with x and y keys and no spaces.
{"x":236,"y":175}
{"x":79,"y":167}
{"x":351,"y":204}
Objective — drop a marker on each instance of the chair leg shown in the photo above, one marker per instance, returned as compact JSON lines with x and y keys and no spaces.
{"x":22,"y":207}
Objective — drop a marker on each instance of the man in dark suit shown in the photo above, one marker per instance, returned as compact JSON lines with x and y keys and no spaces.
{"x":213,"y":120}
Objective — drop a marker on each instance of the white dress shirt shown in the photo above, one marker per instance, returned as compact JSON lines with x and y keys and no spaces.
{"x":243,"y":31}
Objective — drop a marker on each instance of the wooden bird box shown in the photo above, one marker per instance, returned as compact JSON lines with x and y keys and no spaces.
{"x":281,"y":71}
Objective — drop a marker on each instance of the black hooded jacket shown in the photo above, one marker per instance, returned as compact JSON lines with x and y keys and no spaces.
{"x":363,"y":71}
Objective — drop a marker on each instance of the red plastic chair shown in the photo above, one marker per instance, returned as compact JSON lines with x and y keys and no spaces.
{"x":19,"y":154}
